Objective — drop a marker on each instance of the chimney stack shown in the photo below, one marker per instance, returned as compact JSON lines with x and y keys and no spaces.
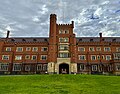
{"x":8,"y":32}
{"x":100,"y":36}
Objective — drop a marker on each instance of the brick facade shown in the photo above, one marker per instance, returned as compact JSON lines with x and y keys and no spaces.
{"x":61,"y":52}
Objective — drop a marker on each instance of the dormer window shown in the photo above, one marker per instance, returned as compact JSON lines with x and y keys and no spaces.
{"x":91,"y":40}
{"x":34,"y":40}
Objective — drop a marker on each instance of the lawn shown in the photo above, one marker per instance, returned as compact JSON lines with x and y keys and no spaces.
{"x":59,"y":84}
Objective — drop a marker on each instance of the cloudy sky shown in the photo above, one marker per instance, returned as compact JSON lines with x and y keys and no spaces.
{"x":30,"y":18}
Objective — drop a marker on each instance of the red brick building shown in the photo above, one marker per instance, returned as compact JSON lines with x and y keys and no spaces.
{"x":61,"y":52}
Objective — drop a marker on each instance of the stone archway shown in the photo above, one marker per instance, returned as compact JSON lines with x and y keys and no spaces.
{"x":63,"y":68}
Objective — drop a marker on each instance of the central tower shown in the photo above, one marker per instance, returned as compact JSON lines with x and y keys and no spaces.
{"x":62,"y":48}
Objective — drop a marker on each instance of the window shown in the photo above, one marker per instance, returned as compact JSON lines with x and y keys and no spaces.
{"x":98,"y":57}
{"x":63,"y":31}
{"x":81,"y":49}
{"x":34,"y":57}
{"x":63,"y":39}
{"x":66,"y":31}
{"x":98,"y":49}
{"x":5,"y":57}
{"x":93,"y":57}
{"x":18,"y":57}
{"x":43,"y":57}
{"x":27,"y":67}
{"x":118,"y":49}
{"x":28,"y":48}
{"x":4,"y":66}
{"x":103,"y":57}
{"x":44,"y":67}
{"x":117,"y":56}
{"x":91,"y":49}
{"x":82,"y":67}
{"x":82,"y":57}
{"x":118,"y":67}
{"x":107,"y":49}
{"x":63,"y":47}
{"x":44,"y":49}
{"x":27,"y":57}
{"x":108,"y":57}
{"x":39,"y":67}
{"x":94,"y":67}
{"x":8,"y":49}
{"x":19,"y":49}
{"x":60,"y":31}
{"x":16,"y":67}
{"x":63,"y":55}
{"x":35,"y":49}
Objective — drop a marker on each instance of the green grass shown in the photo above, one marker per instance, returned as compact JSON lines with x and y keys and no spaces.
{"x":59,"y":84}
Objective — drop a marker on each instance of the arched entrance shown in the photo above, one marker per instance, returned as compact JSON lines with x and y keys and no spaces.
{"x":63,"y":68}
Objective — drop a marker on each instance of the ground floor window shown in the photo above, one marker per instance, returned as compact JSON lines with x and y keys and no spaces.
{"x":4,"y":66}
{"x":42,"y":67}
{"x":94,"y":67}
{"x":17,"y":67}
{"x":118,"y":67}
{"x":39,"y":67}
{"x":27,"y":67}
{"x":82,"y":67}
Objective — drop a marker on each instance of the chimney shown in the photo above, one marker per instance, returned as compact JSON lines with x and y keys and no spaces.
{"x":100,"y":36}
{"x":8,"y":32}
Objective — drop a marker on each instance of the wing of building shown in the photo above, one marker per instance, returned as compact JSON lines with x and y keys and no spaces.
{"x":60,"y":53}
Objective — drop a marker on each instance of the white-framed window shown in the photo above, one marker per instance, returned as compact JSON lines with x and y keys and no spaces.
{"x":118,"y":67}
{"x":63,"y":47}
{"x":60,"y":31}
{"x":44,"y":67}
{"x":43,"y":57}
{"x":82,"y":67}
{"x":82,"y":49}
{"x":117,"y":56}
{"x":35,"y":49}
{"x":82,"y":57}
{"x":44,"y":49}
{"x":17,"y":67}
{"x":18,"y":57}
{"x":91,"y":49}
{"x":94,"y":67}
{"x":98,"y":57}
{"x":8,"y":49}
{"x":63,"y":31}
{"x":117,"y":49}
{"x":27,"y":57}
{"x":39,"y":67}
{"x":107,"y":49}
{"x":19,"y":49}
{"x":63,"y":55}
{"x":98,"y":48}
{"x":34,"y":57}
{"x":108,"y":57}
{"x":28,"y":48}
{"x":93,"y":57}
{"x":5,"y":57}
{"x":65,"y":39}
{"x":27,"y":67}
{"x":4,"y":66}
{"x":103,"y":57}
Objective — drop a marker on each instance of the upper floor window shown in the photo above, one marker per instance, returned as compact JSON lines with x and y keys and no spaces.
{"x":108,"y":57}
{"x":63,"y":55}
{"x":27,"y":57}
{"x":8,"y":48}
{"x":63,"y":47}
{"x":18,"y":57}
{"x":63,"y":31}
{"x":98,"y":57}
{"x":93,"y":57}
{"x":4,"y":66}
{"x":5,"y":57}
{"x":107,"y":49}
{"x":19,"y":49}
{"x":91,"y":49}
{"x":34,"y":57}
{"x":28,"y":48}
{"x":117,"y":56}
{"x":64,"y":39}
{"x":43,"y":57}
{"x":98,"y":49}
{"x":118,"y":49}
{"x":35,"y":49}
{"x":82,"y":57}
{"x":81,"y":49}
{"x":44,"y":49}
